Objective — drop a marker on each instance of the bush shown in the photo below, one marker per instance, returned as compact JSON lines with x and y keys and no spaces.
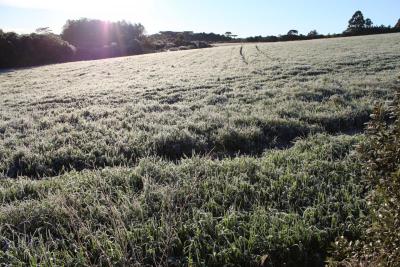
{"x":380,"y":245}
{"x":33,"y":49}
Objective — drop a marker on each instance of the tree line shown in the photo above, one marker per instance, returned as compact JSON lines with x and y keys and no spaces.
{"x":86,"y":39}
{"x":33,"y":49}
{"x":102,"y":39}
{"x":81,"y":39}
{"x":358,"y":25}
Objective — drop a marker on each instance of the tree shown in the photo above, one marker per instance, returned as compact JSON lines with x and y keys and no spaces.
{"x":293,"y":33}
{"x":313,"y":33}
{"x":180,"y":40}
{"x":100,"y":39}
{"x":97,"y":33}
{"x":33,"y":49}
{"x":230,"y":35}
{"x":43,"y":30}
{"x":397,"y":26}
{"x":357,"y":21}
{"x":368,"y":23}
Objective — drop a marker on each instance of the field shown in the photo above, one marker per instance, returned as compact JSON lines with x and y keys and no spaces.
{"x":238,"y":154}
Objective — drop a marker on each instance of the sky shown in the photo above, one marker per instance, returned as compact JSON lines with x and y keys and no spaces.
{"x":241,"y":17}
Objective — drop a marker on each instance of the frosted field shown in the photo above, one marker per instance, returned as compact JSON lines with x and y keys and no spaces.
{"x":199,"y":157}
{"x":171,"y":104}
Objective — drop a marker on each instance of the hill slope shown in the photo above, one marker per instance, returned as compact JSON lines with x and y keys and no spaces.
{"x":234,"y":154}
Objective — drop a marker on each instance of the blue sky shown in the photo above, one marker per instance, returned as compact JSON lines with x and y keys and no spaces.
{"x":242,"y":17}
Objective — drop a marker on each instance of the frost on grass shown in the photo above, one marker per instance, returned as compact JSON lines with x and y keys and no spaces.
{"x":54,"y":120}
{"x":191,"y":157}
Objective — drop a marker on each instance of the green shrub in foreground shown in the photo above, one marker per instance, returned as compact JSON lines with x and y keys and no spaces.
{"x":380,"y":244}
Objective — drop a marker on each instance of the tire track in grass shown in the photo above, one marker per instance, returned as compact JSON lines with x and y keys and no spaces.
{"x":248,"y":57}
{"x":264,"y":53}
{"x":243,"y":56}
{"x":254,"y":57}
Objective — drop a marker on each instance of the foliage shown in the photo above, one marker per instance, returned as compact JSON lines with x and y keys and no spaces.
{"x":86,"y":39}
{"x":313,"y":33}
{"x":33,"y":49}
{"x":380,"y":244}
{"x":100,"y":39}
{"x":397,"y":26}
{"x":357,"y":21}
{"x":190,"y":36}
{"x":368,"y":23}
{"x":360,"y":26}
{"x":169,"y":40}
{"x":357,"y":26}
{"x":262,"y":39}
{"x":180,"y":40}
{"x":43,"y":30}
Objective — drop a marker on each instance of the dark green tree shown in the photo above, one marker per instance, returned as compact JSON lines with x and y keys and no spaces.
{"x":357,"y":21}
{"x":32,"y":49}
{"x":368,"y":23}
{"x":312,"y":33}
{"x":397,"y":26}
{"x":293,"y":33}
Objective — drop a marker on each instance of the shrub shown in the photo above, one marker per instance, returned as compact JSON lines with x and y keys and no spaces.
{"x":33,"y":49}
{"x":380,"y":245}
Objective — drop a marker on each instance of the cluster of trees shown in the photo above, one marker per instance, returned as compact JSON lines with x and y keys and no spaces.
{"x":169,"y":39}
{"x":80,"y":40}
{"x":102,"y":39}
{"x":85,"y":39}
{"x":190,"y":36}
{"x":33,"y":49}
{"x":292,"y":35}
{"x":358,"y":25}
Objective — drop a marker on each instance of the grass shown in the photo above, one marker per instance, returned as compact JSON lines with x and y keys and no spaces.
{"x":236,"y":155}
